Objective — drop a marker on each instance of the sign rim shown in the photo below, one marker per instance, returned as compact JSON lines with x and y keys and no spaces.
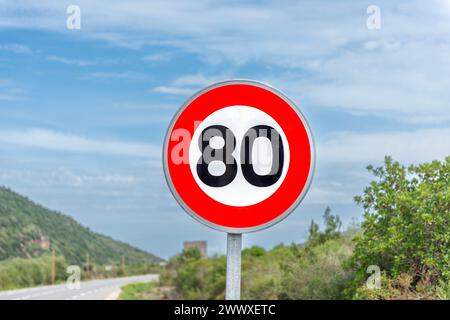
{"x":291,"y":208}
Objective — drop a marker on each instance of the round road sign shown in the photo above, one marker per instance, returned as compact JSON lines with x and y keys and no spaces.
{"x":239,"y":156}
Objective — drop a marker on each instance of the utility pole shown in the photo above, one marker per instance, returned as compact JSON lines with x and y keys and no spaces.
{"x":87,"y":265}
{"x":123,"y":265}
{"x":53,"y":266}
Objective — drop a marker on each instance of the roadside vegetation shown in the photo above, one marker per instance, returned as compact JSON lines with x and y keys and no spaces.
{"x":313,"y":270}
{"x":137,"y":291}
{"x":406,"y":232}
{"x":401,"y":250}
{"x":20,"y":272}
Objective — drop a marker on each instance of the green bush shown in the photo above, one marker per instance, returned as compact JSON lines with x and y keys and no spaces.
{"x":195,"y":277}
{"x":406,"y":230}
{"x":318,"y":272}
{"x":19,"y":272}
{"x":136,"y":291}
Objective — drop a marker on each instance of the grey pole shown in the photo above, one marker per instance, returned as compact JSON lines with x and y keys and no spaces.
{"x":233,"y":286}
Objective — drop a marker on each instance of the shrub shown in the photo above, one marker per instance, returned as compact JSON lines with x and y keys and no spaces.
{"x":19,"y":272}
{"x":406,"y":231}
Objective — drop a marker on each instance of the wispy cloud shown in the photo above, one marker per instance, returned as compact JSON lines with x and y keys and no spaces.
{"x":157,"y":57}
{"x":10,"y":91}
{"x":71,"y":61}
{"x":330,"y":194}
{"x":86,"y":62}
{"x":309,"y":40}
{"x":370,"y":148}
{"x":50,"y":140}
{"x":117,"y":75}
{"x":333,"y":62}
{"x":16,"y":48}
{"x":342,"y":158}
{"x":173,"y":90}
{"x":65,"y":177}
{"x":187,"y":84}
{"x":8,"y":97}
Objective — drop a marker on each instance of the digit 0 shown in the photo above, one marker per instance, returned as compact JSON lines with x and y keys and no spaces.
{"x":246,"y":156}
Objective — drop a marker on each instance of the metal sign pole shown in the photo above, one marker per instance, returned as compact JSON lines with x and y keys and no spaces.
{"x":233,"y":285}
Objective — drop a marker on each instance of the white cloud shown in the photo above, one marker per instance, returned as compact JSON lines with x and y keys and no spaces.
{"x":16,"y":48}
{"x":71,"y":61}
{"x":117,"y":75}
{"x":194,"y":80}
{"x":46,"y":139}
{"x":398,"y":72}
{"x":157,"y":57}
{"x":400,"y":81}
{"x":186,"y":85}
{"x":9,"y":97}
{"x":327,"y":195}
{"x":65,"y":177}
{"x":343,"y":157}
{"x":370,"y":148}
{"x":173,"y":90}
{"x":10,"y":91}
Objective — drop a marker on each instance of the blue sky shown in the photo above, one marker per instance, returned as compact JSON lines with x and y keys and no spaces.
{"x":83,"y":112}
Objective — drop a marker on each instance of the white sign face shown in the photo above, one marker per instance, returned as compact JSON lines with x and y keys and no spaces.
{"x":239,"y":120}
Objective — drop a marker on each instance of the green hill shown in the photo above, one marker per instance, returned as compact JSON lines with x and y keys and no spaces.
{"x":29,"y":230}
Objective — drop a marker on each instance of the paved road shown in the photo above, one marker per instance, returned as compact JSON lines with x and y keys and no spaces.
{"x":90,"y":290}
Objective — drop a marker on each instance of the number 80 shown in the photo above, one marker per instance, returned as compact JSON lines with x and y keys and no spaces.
{"x":224,"y":154}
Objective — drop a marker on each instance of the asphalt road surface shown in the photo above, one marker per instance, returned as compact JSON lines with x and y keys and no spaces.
{"x":106,"y":289}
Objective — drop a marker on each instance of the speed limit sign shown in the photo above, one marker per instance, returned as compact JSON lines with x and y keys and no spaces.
{"x":239,"y":156}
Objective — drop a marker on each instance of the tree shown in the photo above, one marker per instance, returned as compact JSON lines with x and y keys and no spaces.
{"x":406,"y":230}
{"x":333,"y":226}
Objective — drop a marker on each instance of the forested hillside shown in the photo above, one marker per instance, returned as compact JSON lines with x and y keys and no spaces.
{"x":29,"y":230}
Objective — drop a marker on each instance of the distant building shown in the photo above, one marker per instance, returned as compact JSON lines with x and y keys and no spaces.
{"x":43,"y":242}
{"x":200,"y":245}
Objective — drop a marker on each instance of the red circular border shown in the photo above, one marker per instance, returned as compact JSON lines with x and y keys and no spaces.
{"x":296,"y":178}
